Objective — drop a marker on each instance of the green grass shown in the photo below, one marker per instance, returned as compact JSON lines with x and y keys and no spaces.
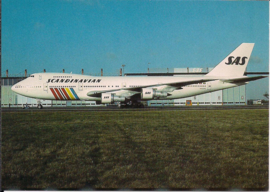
{"x":136,"y":149}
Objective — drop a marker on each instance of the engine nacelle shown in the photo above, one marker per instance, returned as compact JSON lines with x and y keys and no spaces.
{"x":160,"y":94}
{"x":149,"y":93}
{"x":111,"y":98}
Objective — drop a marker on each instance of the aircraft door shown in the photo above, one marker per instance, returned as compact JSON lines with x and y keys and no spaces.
{"x":45,"y":86}
{"x":80,"y":86}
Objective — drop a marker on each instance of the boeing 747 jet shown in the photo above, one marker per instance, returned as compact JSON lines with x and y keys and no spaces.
{"x":132,"y":90}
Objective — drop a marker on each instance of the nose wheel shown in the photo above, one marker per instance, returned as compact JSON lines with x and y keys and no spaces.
{"x":39,"y":106}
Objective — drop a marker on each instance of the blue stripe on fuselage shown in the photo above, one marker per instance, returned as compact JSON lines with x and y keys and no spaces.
{"x":76,"y":96}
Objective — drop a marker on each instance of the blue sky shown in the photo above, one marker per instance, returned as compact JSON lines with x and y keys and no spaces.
{"x":92,"y":34}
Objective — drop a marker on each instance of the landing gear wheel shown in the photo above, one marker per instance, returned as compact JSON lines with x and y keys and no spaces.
{"x":39,"y":106}
{"x":25,"y":106}
{"x":137,"y":105}
{"x":131,"y":104}
{"x":121,"y":105}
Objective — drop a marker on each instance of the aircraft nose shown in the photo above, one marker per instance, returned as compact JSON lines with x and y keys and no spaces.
{"x":13,"y":88}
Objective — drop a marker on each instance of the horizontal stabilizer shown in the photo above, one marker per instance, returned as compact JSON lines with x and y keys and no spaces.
{"x":242,"y":79}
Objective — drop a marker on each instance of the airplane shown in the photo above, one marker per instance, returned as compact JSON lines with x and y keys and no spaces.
{"x":130,"y":91}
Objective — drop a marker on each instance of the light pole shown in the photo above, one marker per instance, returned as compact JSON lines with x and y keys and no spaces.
{"x":123,"y":69}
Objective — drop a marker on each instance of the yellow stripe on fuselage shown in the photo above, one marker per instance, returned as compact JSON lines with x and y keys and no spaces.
{"x":70,"y":94}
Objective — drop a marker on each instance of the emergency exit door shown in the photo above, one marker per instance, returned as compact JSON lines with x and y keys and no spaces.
{"x":80,"y":86}
{"x":45,"y":87}
{"x":209,"y":86}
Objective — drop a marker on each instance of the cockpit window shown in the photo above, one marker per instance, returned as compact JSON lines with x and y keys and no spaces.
{"x":32,"y":76}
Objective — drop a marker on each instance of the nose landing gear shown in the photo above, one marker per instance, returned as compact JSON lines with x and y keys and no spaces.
{"x":39,"y":106}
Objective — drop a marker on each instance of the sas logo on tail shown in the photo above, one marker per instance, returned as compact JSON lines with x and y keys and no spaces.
{"x":236,"y":61}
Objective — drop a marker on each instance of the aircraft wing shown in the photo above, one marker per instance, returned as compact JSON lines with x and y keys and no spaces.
{"x":98,"y":93}
{"x":176,"y":85}
{"x":135,"y":90}
{"x":179,"y":85}
{"x":242,"y":79}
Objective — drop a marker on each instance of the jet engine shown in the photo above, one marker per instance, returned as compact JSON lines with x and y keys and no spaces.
{"x":111,"y":98}
{"x":149,"y":93}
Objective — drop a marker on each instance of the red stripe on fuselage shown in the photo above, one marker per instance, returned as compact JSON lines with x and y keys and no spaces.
{"x":64,"y":91}
{"x":63,"y":95}
{"x":54,"y":94}
{"x":59,"y":94}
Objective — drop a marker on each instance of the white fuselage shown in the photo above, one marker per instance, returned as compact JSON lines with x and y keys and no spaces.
{"x":61,"y":86}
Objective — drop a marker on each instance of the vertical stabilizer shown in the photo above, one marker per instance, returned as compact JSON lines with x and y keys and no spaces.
{"x":234,"y":64}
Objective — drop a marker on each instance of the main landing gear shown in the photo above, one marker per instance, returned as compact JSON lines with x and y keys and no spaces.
{"x":130,"y":104}
{"x":25,"y":106}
